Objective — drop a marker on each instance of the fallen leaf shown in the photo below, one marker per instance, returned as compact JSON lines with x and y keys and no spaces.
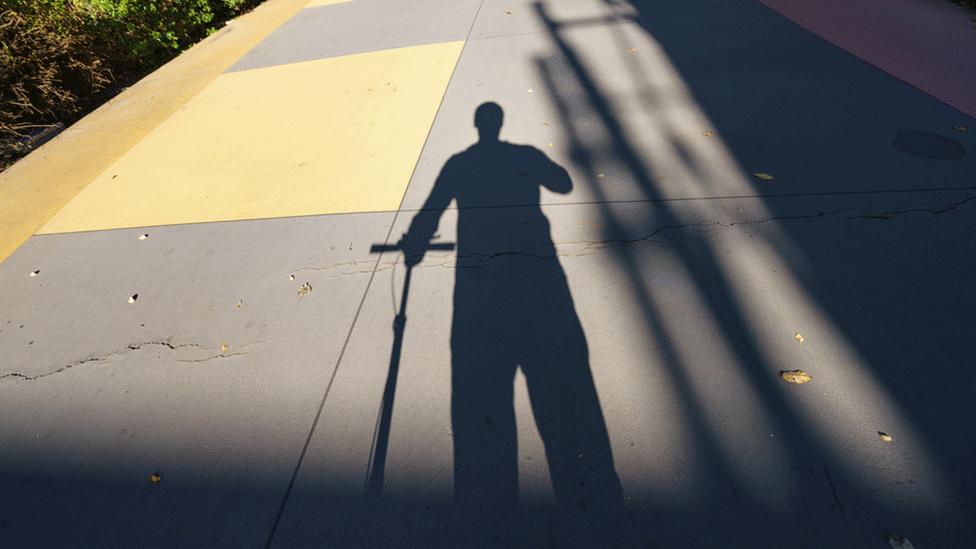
{"x":798,"y":337}
{"x":155,"y":477}
{"x":224,"y":348}
{"x":631,"y":50}
{"x":709,"y":133}
{"x":133,"y":298}
{"x":240,"y":303}
{"x":764,"y":176}
{"x":795,"y":376}
{"x":884,"y":436}
{"x":899,"y":542}
{"x":304,"y":290}
{"x":960,"y":128}
{"x":35,"y":273}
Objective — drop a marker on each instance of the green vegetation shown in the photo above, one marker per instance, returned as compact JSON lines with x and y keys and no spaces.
{"x":968,"y":4}
{"x":59,"y":59}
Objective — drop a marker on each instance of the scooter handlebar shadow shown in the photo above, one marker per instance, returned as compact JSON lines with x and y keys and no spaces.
{"x":380,"y":248}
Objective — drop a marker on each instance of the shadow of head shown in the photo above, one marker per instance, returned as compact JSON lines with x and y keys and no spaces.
{"x":488,"y":118}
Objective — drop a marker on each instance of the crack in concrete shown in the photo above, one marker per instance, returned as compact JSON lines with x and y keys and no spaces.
{"x":473,"y":261}
{"x":846,"y":213}
{"x":222,"y":355}
{"x":126,"y":350}
{"x":317,"y":268}
{"x":209,"y":358}
{"x":337,"y":275}
{"x":833,"y":492}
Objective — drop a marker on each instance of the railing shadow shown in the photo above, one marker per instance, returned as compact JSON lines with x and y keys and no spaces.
{"x":817,"y":467}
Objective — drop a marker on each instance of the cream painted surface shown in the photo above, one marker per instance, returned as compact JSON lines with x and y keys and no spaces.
{"x":325,"y":136}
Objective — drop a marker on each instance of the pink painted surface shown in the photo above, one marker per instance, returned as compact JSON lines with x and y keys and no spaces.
{"x":931,"y":44}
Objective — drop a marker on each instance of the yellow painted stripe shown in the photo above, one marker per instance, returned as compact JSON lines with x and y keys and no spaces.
{"x":38,"y":186}
{"x":325,"y":136}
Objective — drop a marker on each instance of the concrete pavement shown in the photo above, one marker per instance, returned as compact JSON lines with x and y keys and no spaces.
{"x":208,"y":307}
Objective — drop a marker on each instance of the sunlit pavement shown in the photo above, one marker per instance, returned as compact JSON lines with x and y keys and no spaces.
{"x":196,"y":349}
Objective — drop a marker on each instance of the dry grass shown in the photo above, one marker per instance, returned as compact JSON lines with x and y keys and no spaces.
{"x":60,"y":59}
{"x":46,"y":73}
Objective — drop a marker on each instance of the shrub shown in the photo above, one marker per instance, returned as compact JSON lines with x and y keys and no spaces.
{"x":48,"y":64}
{"x":61,"y":58}
{"x":149,"y":31}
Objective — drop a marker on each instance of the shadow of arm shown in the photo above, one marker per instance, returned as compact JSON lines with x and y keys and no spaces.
{"x":554,"y":177}
{"x":425,"y":222}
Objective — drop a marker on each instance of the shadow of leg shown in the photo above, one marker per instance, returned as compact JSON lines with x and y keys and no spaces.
{"x":485,"y":449}
{"x":568,"y":414}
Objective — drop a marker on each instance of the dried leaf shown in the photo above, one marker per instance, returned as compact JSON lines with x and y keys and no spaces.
{"x":240,"y":303}
{"x":632,"y":50}
{"x":884,"y":436}
{"x":795,"y":376}
{"x":899,"y":542}
{"x":224,"y":348}
{"x":155,"y":477}
{"x":764,"y":176}
{"x":133,"y":298}
{"x":798,"y":337}
{"x":709,"y":133}
{"x":304,"y":290}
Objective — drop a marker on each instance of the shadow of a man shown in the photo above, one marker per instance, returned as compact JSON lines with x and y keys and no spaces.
{"x":513,"y":309}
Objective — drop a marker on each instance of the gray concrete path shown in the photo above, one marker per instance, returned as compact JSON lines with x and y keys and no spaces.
{"x":704,"y":195}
